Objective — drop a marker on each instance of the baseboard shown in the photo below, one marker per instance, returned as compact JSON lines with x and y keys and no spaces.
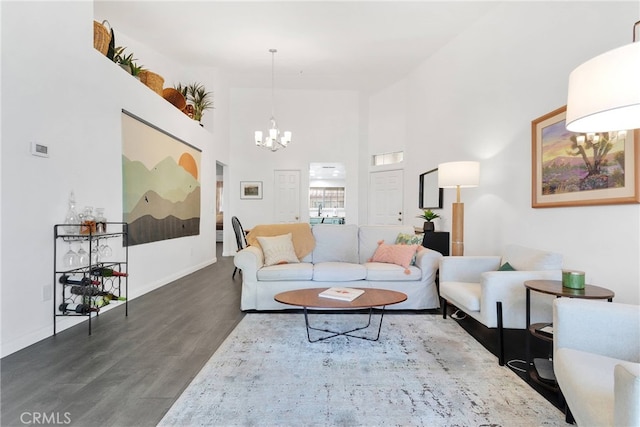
{"x":64,"y":323}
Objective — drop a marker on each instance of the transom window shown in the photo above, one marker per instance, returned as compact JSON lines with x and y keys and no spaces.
{"x":388,"y":158}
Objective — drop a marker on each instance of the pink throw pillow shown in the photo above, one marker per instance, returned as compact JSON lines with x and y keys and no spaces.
{"x":395,"y":254}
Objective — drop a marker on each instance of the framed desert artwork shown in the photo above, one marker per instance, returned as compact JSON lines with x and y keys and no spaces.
{"x":582,"y":169}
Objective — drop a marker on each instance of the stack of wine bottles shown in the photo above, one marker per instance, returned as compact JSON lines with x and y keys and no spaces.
{"x":90,"y":288}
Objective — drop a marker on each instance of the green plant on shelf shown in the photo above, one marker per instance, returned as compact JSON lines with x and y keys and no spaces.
{"x":196,"y":96}
{"x":124,"y":60}
{"x":428,"y":215}
{"x":136,"y":69}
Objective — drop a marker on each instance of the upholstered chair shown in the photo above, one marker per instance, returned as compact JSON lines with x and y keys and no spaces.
{"x":491,"y":289}
{"x":241,"y":239}
{"x":596,"y":361}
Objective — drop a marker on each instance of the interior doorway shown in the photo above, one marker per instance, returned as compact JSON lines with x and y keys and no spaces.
{"x":327,"y":193}
{"x":219,"y":203}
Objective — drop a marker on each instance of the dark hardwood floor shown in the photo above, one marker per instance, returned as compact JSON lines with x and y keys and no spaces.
{"x":131,"y":369}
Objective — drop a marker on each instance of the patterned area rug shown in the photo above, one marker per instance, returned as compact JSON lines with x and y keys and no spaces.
{"x":424,"y":371}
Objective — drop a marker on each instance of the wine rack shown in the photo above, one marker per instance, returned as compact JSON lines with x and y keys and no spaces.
{"x":77,"y":286}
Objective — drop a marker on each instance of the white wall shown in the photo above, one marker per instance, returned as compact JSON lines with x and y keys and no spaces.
{"x":475,"y":100}
{"x":59,"y":91}
{"x":325,"y":126}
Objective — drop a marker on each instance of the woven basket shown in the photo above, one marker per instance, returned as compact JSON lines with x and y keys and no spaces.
{"x":175,"y":98}
{"x":101,"y":37}
{"x":152,"y":80}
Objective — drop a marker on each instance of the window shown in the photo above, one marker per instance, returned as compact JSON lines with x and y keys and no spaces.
{"x":388,"y":158}
{"x":329,"y":197}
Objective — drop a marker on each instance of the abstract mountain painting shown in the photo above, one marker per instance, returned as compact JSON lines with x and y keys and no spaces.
{"x":160,"y":180}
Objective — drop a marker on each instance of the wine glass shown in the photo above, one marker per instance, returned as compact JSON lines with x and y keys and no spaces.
{"x":70,"y":259}
{"x":105,"y":250}
{"x":83,"y":257}
{"x":95,"y":255}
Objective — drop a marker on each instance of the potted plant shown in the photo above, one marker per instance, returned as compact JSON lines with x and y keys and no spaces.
{"x":428,"y":215}
{"x":124,"y":61}
{"x":198,"y":99}
{"x":136,"y":69}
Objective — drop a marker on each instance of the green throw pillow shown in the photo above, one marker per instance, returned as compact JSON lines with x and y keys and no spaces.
{"x":409,"y":239}
{"x":506,"y":267}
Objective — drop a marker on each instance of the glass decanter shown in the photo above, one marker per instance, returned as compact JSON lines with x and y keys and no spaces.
{"x":88,"y":221}
{"x":101,"y":221}
{"x":71,"y":220}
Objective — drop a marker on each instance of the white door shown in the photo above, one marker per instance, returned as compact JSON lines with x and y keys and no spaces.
{"x":287,"y":196}
{"x":385,"y":197}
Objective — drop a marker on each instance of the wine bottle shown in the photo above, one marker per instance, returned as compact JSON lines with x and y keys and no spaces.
{"x":106,"y":298}
{"x":107,"y":272}
{"x":93,"y":291}
{"x":88,"y":291}
{"x":112,"y":297}
{"x":77,"y":308}
{"x":84,"y":281}
{"x":102,"y":301}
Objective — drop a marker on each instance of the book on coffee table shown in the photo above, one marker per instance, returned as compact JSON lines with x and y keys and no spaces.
{"x":342,"y":294}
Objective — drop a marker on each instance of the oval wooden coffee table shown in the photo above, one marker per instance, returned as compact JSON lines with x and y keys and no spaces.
{"x":372,"y":297}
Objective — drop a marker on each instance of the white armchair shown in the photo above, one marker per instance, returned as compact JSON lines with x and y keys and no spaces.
{"x":497,"y":299}
{"x":596,"y":361}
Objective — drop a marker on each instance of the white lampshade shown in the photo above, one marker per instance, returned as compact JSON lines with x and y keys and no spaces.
{"x":604,"y":92}
{"x":287,"y":137}
{"x":462,"y":174}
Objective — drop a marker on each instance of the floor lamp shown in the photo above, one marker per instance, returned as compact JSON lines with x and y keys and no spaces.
{"x":458,"y":175}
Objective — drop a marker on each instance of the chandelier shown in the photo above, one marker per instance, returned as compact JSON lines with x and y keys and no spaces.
{"x":274,"y":139}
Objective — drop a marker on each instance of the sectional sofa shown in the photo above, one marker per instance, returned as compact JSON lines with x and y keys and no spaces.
{"x":341,"y":257}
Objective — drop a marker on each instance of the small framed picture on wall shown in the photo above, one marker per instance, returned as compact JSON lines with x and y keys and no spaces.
{"x":251,"y":189}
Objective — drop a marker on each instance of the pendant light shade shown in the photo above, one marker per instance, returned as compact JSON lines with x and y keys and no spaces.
{"x":604,"y":92}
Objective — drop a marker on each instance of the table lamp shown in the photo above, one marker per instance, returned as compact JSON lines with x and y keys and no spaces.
{"x":458,"y":175}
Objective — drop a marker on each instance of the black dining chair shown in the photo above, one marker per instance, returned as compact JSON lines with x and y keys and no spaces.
{"x":241,"y":239}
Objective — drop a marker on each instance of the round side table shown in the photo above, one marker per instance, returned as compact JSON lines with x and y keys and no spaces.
{"x":554,"y":287}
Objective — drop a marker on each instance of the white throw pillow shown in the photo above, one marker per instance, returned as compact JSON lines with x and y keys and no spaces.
{"x":278,"y":249}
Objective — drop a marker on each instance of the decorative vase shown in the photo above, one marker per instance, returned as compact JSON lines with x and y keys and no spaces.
{"x":428,"y":226}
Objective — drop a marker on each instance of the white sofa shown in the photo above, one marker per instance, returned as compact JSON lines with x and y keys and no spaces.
{"x":340,"y":258}
{"x":596,"y":361}
{"x":497,"y":299}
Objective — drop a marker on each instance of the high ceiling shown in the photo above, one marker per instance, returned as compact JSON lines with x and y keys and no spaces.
{"x":357,"y":45}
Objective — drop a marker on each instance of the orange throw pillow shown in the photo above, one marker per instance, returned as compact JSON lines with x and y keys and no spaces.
{"x":395,"y":254}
